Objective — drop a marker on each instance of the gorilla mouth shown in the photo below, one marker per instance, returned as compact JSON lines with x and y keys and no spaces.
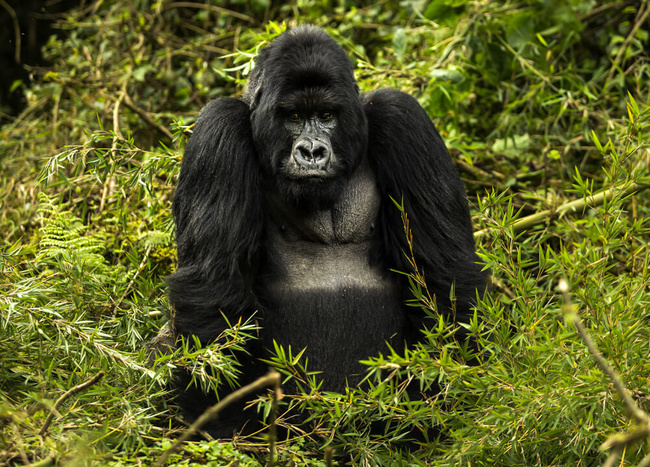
{"x":308,"y":169}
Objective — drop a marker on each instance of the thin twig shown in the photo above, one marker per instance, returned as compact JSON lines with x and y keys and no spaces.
{"x":618,"y":441}
{"x":641,"y":18}
{"x":475,"y":171}
{"x":145,"y":258}
{"x":146,"y":117}
{"x":117,"y":136}
{"x":116,"y":112}
{"x":272,"y":378}
{"x":65,"y":396}
{"x":16,"y":25}
{"x":572,"y":316}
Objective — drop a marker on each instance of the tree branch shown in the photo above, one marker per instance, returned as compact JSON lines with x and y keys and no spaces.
{"x":146,"y":117}
{"x":14,"y":20}
{"x":578,"y":205}
{"x":65,"y":396}
{"x":271,"y":379}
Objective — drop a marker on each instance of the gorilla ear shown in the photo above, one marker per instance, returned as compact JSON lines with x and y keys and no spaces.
{"x":255,"y":99}
{"x":253,"y":93}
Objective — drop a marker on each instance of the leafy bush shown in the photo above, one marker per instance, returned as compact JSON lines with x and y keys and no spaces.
{"x":541,"y":104}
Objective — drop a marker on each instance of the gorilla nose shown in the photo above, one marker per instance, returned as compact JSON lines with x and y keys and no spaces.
{"x":311,"y":153}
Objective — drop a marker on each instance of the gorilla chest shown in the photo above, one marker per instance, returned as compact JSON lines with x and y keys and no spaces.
{"x":325,"y":250}
{"x":320,"y":290}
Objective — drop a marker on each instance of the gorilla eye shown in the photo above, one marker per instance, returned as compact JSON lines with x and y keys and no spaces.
{"x":294,"y":117}
{"x":326,"y":116}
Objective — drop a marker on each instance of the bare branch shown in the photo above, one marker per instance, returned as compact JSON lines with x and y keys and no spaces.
{"x":641,"y":18}
{"x":146,"y":117}
{"x":14,"y":20}
{"x":578,"y":206}
{"x":65,"y":396}
{"x":271,"y":379}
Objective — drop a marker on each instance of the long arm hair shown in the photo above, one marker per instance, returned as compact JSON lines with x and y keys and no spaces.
{"x":218,"y":216}
{"x":413,"y":166}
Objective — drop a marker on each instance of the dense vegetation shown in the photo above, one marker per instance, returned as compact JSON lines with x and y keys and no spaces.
{"x":541,"y":103}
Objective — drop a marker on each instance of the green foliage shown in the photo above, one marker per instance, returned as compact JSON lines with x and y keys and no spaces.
{"x":216,"y":364}
{"x":541,"y":103}
{"x":196,"y":454}
{"x":75,"y":254}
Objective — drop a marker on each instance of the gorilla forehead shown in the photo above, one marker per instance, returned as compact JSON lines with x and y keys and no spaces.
{"x":312,"y":98}
{"x":305,"y":58}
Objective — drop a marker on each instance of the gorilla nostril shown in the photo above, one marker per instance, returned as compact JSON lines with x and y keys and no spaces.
{"x":304,"y":153}
{"x":319,"y":152}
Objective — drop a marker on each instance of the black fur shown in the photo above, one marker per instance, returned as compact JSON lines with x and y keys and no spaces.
{"x":308,"y":240}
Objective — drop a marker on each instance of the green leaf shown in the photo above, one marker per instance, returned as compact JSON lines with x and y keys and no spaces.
{"x":15,"y":85}
{"x":140,"y":72}
{"x":399,"y":44}
{"x":450,"y":75}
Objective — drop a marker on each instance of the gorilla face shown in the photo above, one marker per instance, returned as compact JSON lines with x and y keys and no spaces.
{"x":309,"y":127}
{"x":312,"y":156}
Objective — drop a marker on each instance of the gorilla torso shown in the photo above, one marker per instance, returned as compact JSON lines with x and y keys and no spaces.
{"x":318,"y":276}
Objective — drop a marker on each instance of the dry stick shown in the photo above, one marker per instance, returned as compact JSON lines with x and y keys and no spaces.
{"x":476,"y":172}
{"x":621,"y":440}
{"x":66,"y":395}
{"x":642,"y":17}
{"x":116,"y":116}
{"x":272,"y":378}
{"x":117,"y":135}
{"x":578,"y":205}
{"x":572,"y":316}
{"x":273,"y":429}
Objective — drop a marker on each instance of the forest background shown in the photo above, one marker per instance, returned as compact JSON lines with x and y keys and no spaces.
{"x":544,"y":107}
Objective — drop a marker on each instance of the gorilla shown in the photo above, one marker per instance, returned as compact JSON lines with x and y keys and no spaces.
{"x":284,"y":209}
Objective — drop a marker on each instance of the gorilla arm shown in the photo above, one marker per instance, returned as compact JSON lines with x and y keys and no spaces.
{"x":218,"y":215}
{"x":412,"y":166}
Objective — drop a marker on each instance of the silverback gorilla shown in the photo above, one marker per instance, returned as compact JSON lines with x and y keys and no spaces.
{"x":283,"y":208}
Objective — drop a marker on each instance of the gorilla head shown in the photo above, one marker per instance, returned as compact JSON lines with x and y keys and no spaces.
{"x":308,"y":123}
